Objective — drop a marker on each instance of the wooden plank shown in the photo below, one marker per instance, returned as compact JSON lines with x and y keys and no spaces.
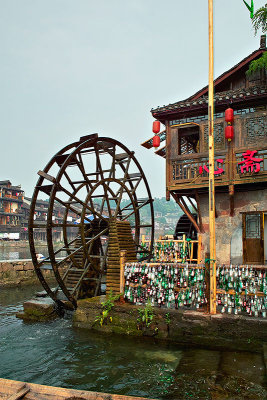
{"x":20,"y":393}
{"x":42,"y":392}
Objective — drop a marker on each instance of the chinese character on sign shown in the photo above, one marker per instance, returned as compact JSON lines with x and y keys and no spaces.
{"x":250,"y":163}
{"x":218,"y":171}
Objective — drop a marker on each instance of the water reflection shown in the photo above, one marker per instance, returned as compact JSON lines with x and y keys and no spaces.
{"x":56,"y":354}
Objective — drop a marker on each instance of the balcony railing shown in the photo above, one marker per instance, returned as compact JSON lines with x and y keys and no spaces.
{"x":251,"y":163}
{"x":196,"y":170}
{"x":247,"y":166}
{"x":10,"y":197}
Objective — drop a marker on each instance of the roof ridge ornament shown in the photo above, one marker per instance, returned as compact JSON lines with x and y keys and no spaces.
{"x":263,"y":42}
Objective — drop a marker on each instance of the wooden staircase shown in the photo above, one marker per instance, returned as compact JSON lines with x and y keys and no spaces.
{"x":120,"y":238}
{"x":89,"y":285}
{"x":76,"y":271}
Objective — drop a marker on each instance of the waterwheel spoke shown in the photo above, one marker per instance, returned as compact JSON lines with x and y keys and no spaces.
{"x":92,"y":210}
{"x":119,"y":193}
{"x":100,"y":169}
{"x":82,"y":169}
{"x":137,"y":208}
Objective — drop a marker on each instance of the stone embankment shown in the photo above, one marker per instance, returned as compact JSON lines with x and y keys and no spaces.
{"x":218,"y":331}
{"x":16,"y":272}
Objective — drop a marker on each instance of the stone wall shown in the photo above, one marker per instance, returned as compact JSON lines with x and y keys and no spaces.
{"x":20,"y":272}
{"x":181,"y":326}
{"x":229,"y":246}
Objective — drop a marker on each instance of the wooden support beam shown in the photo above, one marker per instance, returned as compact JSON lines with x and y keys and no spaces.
{"x":185,"y":210}
{"x":191,"y":202}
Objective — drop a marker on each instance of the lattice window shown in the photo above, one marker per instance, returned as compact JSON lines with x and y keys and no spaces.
{"x":219,"y":142}
{"x":256,"y":129}
{"x":253,"y":226}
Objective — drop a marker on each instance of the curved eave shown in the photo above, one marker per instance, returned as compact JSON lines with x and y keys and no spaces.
{"x":236,"y":101}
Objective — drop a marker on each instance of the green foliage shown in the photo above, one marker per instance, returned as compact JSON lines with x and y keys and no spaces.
{"x":162,"y":220}
{"x":106,"y":308}
{"x":259,"y":20}
{"x":168,"y":318}
{"x":146,"y":315}
{"x":258,"y":65}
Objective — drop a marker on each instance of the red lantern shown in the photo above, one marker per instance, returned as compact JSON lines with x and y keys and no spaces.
{"x":156,"y":141}
{"x":156,"y":127}
{"x":229,"y":115}
{"x":229,"y":132}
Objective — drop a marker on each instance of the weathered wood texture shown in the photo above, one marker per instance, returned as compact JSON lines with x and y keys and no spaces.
{"x":182,"y":169}
{"x":9,"y":390}
{"x":120,"y":238}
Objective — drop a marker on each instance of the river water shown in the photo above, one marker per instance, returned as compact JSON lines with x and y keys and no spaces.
{"x":21,"y":251}
{"x":56,"y":354}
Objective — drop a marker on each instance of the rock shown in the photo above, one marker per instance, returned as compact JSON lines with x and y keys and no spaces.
{"x":38,"y":310}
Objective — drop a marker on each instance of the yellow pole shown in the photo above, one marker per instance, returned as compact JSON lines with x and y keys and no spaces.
{"x":211,"y":168}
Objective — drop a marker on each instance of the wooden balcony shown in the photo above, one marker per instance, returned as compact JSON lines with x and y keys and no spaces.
{"x":190,"y":171}
{"x":9,"y":197}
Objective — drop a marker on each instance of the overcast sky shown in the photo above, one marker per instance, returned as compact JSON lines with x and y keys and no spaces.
{"x":75,"y":67}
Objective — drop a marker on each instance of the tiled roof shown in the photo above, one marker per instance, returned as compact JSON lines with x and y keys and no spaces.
{"x":230,"y":96}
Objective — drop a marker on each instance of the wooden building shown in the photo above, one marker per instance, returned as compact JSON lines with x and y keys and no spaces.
{"x":240,"y":164}
{"x":11,"y":214}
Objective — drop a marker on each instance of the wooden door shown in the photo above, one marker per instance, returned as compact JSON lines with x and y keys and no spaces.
{"x":253,"y":238}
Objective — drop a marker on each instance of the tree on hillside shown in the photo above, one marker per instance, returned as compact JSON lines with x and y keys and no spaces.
{"x":259,"y":21}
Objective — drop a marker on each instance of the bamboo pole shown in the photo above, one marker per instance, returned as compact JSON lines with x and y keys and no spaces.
{"x":199,"y":248}
{"x":211,"y":167}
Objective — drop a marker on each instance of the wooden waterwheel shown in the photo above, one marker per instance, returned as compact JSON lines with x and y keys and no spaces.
{"x":92,"y":191}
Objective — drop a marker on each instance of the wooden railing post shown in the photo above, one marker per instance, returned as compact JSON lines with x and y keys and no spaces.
{"x":122,"y":265}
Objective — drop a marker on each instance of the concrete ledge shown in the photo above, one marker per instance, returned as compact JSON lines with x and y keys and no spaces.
{"x":185,"y":327}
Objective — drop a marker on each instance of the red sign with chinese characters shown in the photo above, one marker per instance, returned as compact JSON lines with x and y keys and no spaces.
{"x":218,"y":171}
{"x":250,"y":163}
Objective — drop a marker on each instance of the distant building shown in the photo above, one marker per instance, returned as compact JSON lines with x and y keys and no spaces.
{"x":11,"y":214}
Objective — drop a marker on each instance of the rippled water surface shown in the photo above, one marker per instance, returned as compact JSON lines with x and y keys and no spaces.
{"x":56,"y":354}
{"x":21,"y":251}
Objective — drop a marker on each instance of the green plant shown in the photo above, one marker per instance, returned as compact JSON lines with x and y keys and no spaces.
{"x":258,"y":65}
{"x":146,"y":315}
{"x":168,"y":318}
{"x":259,"y":20}
{"x":106,"y":308}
